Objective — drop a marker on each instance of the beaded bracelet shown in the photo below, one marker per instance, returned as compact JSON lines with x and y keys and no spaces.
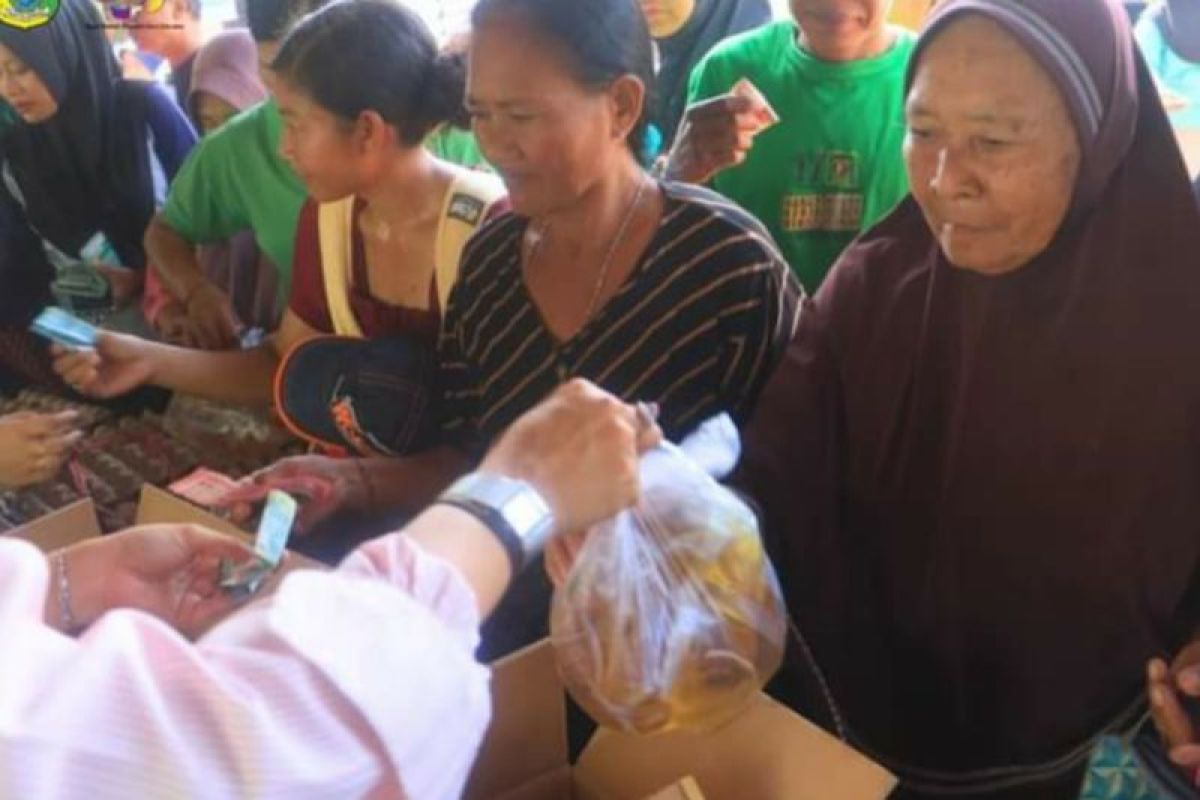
{"x":66,"y":619}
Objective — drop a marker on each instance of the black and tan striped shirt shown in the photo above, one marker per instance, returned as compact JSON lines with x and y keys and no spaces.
{"x":696,"y":327}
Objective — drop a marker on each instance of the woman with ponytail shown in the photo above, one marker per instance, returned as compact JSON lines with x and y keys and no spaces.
{"x":360,"y":85}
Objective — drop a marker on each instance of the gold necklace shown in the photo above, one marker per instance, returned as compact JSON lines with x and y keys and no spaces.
{"x":378,"y":229}
{"x":605,"y":266}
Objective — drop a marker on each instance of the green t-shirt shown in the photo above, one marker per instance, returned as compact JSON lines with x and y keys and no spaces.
{"x":456,"y":146}
{"x":833,"y":165}
{"x":235,"y":180}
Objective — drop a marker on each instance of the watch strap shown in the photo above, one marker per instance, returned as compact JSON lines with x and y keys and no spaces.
{"x":495,"y":522}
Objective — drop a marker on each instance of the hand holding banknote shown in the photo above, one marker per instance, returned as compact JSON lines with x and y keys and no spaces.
{"x":718,"y":133}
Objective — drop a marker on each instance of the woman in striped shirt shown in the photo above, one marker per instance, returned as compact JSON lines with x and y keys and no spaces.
{"x":656,"y":292}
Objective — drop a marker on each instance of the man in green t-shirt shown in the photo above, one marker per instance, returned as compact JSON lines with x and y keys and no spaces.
{"x":234,"y":180}
{"x":832,"y":166}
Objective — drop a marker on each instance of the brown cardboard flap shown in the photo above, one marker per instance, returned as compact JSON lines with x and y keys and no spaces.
{"x":157,"y":506}
{"x":766,"y":753}
{"x":527,"y":739}
{"x":66,"y":526}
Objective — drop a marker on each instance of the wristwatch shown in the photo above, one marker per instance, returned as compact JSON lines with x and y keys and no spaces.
{"x":511,"y":509}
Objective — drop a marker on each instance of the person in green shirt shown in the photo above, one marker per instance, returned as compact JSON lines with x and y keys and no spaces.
{"x":456,"y":146}
{"x":832,"y":166}
{"x":236,"y":180}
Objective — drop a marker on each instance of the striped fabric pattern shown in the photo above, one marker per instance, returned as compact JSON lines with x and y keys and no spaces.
{"x":696,"y":327}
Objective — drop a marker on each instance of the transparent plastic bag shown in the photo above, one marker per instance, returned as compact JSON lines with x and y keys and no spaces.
{"x":671,"y":616}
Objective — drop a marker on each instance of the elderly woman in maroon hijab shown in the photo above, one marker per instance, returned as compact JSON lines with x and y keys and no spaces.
{"x":979,"y":462}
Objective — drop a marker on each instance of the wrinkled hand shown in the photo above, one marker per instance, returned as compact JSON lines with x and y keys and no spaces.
{"x":714,"y":135}
{"x":579,"y":449}
{"x":33,"y":446}
{"x":118,"y":364}
{"x":170,"y":571}
{"x":1167,"y":687}
{"x":321,"y":485}
{"x":212,"y":324}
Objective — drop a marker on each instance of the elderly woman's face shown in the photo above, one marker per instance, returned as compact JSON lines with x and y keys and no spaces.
{"x":991,"y":151}
{"x":549,"y":137}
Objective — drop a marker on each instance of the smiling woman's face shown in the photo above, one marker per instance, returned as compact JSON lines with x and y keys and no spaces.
{"x":991,"y":151}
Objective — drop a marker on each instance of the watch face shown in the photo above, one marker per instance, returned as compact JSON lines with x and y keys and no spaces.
{"x":525,"y":511}
{"x":519,"y":503}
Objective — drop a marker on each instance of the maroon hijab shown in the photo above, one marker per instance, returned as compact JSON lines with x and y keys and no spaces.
{"x":983,"y":493}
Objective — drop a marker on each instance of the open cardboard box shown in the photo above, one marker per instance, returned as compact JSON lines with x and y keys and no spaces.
{"x":78,"y":521}
{"x":158,"y":505}
{"x":765,"y":753}
{"x":62,"y":527}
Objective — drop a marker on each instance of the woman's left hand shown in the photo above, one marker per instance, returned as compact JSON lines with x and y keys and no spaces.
{"x":170,"y":571}
{"x":1168,"y":688}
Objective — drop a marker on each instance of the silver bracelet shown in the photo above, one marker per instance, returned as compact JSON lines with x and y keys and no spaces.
{"x":66,"y":619}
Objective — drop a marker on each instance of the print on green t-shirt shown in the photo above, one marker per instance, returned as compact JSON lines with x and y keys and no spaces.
{"x":833,"y":165}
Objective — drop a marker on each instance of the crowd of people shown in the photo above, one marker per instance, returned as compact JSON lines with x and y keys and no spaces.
{"x":938,"y":273}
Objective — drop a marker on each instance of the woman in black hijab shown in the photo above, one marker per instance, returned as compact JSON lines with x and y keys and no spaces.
{"x":90,"y":155}
{"x":684,"y":31}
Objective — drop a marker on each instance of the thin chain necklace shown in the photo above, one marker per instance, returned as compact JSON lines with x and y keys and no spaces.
{"x":606,"y":264}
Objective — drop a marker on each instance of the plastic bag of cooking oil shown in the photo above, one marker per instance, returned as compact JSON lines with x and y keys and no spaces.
{"x":671,"y":616}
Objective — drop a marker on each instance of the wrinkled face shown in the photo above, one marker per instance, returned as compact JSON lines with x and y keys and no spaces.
{"x":24,"y":90}
{"x":842,"y":30}
{"x":211,"y":111}
{"x":991,"y":151}
{"x":666,"y":18}
{"x":319,"y":146}
{"x":549,"y":137}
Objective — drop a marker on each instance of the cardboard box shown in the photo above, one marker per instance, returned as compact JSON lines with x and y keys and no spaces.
{"x":66,"y":526}
{"x":78,"y":521}
{"x":160,"y":506}
{"x":766,"y":753}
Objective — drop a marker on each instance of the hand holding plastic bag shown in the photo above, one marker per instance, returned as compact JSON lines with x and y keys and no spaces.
{"x":671,"y":616}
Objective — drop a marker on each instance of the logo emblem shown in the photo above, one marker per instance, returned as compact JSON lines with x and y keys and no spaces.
{"x":28,"y":14}
{"x":123,"y":10}
{"x":465,"y":208}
